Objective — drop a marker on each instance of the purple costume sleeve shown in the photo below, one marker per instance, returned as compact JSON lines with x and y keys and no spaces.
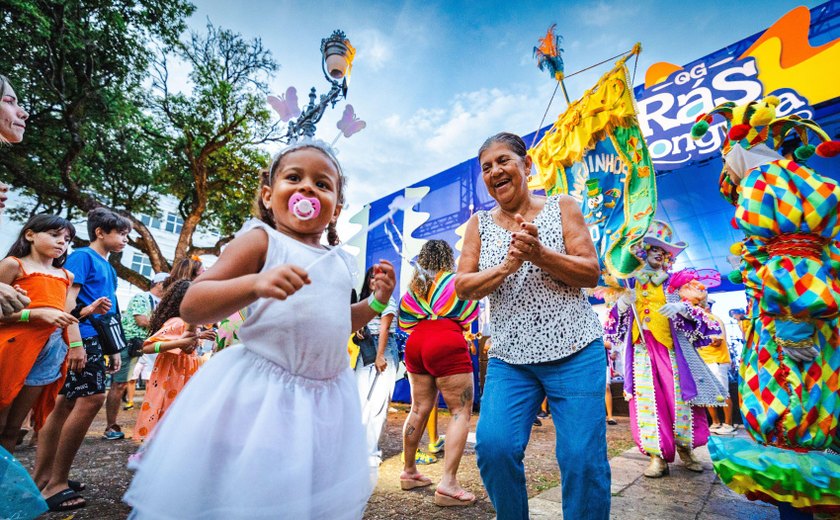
{"x":617,"y":331}
{"x":698,"y":328}
{"x":617,"y":325}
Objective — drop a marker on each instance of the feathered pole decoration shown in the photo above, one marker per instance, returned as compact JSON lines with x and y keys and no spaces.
{"x":549,"y":58}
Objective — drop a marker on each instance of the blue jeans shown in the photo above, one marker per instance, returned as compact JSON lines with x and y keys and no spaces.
{"x":512,"y":396}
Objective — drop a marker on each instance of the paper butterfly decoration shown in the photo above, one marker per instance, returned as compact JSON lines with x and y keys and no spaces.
{"x":286,"y":106}
{"x":349,"y":123}
{"x":548,"y":54}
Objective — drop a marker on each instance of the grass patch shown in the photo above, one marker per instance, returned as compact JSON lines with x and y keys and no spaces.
{"x":616,"y":447}
{"x":544,"y":483}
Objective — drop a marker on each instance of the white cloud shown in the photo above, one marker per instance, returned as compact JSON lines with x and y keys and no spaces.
{"x":398,"y":151}
{"x":375,"y":50}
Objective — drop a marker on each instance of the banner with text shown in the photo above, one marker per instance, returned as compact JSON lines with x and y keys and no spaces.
{"x":596,"y":153}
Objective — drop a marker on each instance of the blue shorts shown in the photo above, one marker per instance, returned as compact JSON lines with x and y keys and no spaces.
{"x":47,"y":368}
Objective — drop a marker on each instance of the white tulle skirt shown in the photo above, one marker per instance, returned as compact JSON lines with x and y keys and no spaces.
{"x":245,"y":439}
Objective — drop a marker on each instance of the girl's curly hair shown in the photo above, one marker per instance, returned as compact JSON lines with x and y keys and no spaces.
{"x":267,"y":179}
{"x":170,"y":305}
{"x":435,"y":256}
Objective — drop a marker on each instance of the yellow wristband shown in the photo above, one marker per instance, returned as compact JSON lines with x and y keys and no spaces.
{"x":157,"y":347}
{"x":24,"y":315}
{"x":76,"y":344}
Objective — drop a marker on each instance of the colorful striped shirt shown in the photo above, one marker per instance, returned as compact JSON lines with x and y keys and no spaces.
{"x":440,"y":302}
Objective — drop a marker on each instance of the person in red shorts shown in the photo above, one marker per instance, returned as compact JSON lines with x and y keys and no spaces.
{"x":437,"y":359}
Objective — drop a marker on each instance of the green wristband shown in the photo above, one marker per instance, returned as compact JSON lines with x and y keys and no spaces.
{"x":24,"y":315}
{"x":157,"y":347}
{"x":76,"y":344}
{"x":376,"y":305}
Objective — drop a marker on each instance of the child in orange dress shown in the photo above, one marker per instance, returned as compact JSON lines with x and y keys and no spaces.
{"x":34,"y":264}
{"x":175,"y":341}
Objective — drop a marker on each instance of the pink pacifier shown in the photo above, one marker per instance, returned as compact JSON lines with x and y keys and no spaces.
{"x":303,"y":207}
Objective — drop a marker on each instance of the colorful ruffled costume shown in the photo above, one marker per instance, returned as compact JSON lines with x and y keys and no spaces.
{"x":790,"y":262}
{"x":669,"y":383}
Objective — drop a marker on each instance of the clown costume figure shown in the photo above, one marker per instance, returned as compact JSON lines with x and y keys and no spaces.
{"x":667,"y":383}
{"x":789,"y":378}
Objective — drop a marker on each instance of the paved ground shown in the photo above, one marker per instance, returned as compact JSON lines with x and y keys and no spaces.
{"x":101,"y":465}
{"x":682,"y":495}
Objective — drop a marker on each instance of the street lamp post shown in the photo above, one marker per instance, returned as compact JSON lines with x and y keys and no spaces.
{"x":336,"y":59}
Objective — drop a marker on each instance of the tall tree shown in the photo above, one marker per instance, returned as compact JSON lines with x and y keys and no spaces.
{"x":98,"y":135}
{"x":212,"y":132}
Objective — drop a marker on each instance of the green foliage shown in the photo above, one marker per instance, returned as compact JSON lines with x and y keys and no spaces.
{"x":212,"y":132}
{"x":77,"y":67}
{"x":101,"y":132}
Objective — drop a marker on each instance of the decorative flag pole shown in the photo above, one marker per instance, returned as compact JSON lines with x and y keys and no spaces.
{"x":549,"y":58}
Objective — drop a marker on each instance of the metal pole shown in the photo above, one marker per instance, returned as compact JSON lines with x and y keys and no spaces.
{"x":565,"y":94}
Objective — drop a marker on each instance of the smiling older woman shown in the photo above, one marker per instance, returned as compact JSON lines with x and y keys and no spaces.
{"x":532,"y":255}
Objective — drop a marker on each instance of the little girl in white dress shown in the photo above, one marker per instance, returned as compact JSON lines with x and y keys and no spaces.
{"x":271,"y":428}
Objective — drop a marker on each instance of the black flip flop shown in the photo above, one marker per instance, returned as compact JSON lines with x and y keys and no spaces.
{"x":55,"y":502}
{"x":75,"y":485}
{"x":612,"y":422}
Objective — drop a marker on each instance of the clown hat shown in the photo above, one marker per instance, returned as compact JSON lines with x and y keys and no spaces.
{"x":661,"y":235}
{"x":756,"y":123}
{"x":593,"y":187}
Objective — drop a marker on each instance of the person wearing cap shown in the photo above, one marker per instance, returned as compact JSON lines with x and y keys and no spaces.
{"x":135,"y":322}
{"x":789,"y":382}
{"x":666,"y":381}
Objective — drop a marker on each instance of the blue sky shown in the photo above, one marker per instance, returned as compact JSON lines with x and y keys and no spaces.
{"x":433,"y":79}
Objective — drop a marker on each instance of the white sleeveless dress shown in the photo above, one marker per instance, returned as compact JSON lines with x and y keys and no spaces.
{"x":271,"y":428}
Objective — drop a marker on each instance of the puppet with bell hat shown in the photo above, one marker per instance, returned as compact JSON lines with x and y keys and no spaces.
{"x":666,"y":381}
{"x":789,"y":378}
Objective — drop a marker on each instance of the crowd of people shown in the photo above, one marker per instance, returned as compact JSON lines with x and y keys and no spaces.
{"x":288,"y":382}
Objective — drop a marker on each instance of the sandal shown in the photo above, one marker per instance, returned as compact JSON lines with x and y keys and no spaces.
{"x":415,"y":481}
{"x":75,"y":485}
{"x":463,"y":498}
{"x":56,"y":502}
{"x":612,"y":422}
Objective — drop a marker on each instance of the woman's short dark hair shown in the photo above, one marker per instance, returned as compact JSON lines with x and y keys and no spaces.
{"x":512,"y":141}
{"x":107,"y":221}
{"x":39,"y":224}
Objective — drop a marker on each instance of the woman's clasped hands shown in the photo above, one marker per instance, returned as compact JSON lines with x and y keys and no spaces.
{"x":525,"y":245}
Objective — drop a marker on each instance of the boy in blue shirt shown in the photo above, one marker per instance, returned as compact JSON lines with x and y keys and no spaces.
{"x":94,"y":286}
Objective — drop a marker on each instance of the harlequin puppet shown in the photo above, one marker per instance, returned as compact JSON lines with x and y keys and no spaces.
{"x":789,"y":378}
{"x":667,"y":383}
